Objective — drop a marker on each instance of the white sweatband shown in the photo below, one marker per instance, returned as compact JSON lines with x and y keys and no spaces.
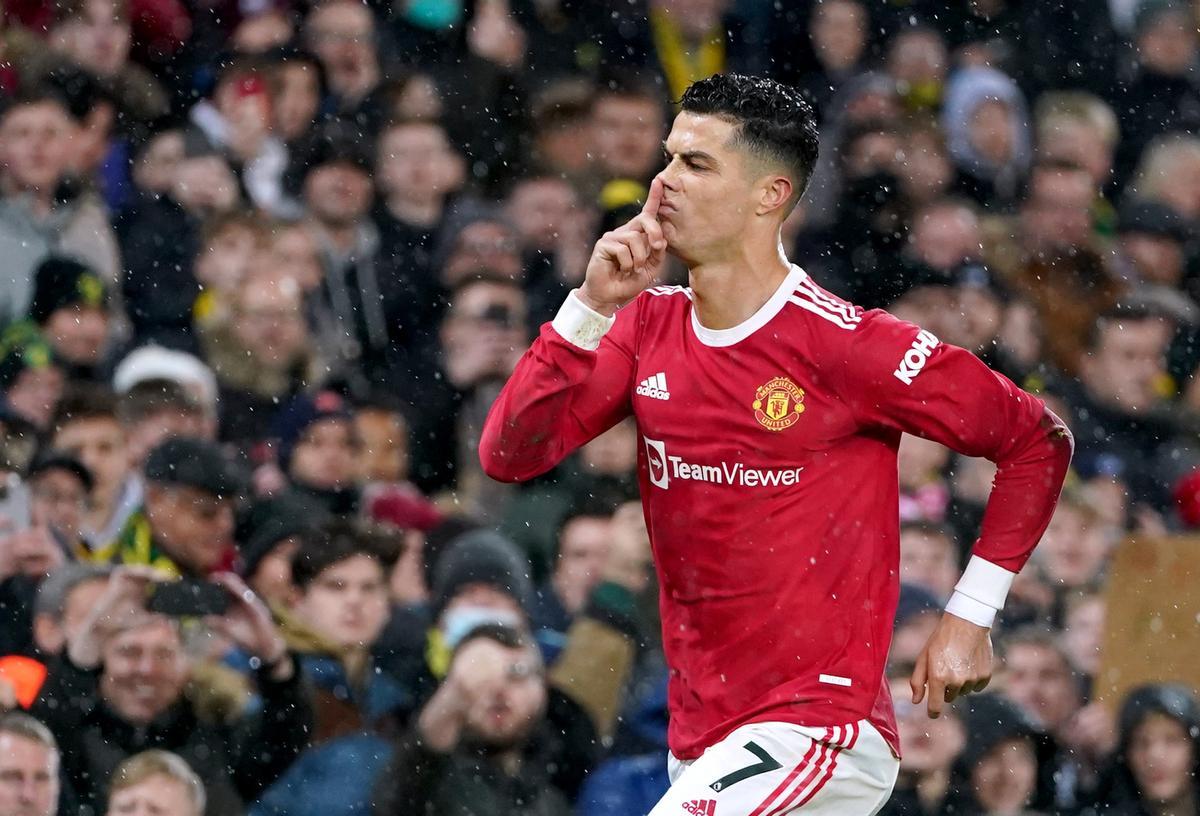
{"x":580,"y":325}
{"x":981,"y":592}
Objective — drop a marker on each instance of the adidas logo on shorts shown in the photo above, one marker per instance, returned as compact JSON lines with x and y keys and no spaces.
{"x":701,"y":807}
{"x":654,"y":387}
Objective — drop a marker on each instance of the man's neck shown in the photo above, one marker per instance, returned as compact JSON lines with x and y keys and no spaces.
{"x":343,"y":236}
{"x":727,"y":292}
{"x":416,"y":213}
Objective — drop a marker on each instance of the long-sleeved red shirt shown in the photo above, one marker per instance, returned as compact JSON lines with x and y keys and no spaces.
{"x":768,"y":478}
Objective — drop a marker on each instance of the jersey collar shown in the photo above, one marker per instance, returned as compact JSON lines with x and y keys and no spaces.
{"x":719,"y":338}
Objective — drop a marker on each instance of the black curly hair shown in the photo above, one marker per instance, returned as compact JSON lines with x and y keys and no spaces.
{"x":775,"y":122}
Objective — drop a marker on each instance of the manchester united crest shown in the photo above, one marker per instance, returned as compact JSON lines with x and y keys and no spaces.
{"x":778,"y":404}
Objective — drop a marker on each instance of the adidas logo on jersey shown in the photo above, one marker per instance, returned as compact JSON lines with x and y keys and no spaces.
{"x":701,"y":807}
{"x":654,"y":387}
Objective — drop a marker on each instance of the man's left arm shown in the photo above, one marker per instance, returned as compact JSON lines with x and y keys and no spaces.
{"x":903,"y":377}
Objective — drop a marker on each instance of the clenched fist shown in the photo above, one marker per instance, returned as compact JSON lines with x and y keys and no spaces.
{"x":626,"y":260}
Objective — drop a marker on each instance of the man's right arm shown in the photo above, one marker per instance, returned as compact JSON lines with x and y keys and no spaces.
{"x":573,"y":384}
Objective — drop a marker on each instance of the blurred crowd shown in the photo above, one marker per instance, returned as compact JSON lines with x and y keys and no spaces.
{"x":265,"y":265}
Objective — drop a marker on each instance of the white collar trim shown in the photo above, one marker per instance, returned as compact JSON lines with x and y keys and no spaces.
{"x":720,"y":338}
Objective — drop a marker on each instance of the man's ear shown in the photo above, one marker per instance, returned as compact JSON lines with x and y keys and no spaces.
{"x":776,"y":192}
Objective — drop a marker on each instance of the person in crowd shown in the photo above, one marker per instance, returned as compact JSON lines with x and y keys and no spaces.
{"x":156,"y":782}
{"x":70,"y":306}
{"x":41,"y":212}
{"x":481,"y":744}
{"x":340,"y":574}
{"x":1157,"y":763}
{"x":1038,"y":677}
{"x":29,"y":767}
{"x":1003,"y":767}
{"x":269,"y":537}
{"x":342,"y":34}
{"x":31,"y":378}
{"x":928,"y":750}
{"x":59,"y":486}
{"x":584,"y":537}
{"x":185,"y":525}
{"x":121,"y":687}
{"x":627,"y":127}
{"x":929,"y":557}
{"x":87,"y":426}
{"x":317,"y":449}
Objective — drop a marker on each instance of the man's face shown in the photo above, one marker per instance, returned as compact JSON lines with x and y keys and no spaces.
{"x":582,"y":548}
{"x":227,"y":258}
{"x":1005,"y":778}
{"x":342,"y":35}
{"x":383,"y":440}
{"x":626,"y":136}
{"x":325,"y":455}
{"x":268,"y":322}
{"x":1168,"y":44}
{"x":28,"y":777}
{"x":35,"y":394}
{"x":1073,"y":549}
{"x":1126,"y":369}
{"x":51,"y":634}
{"x":98,"y":39}
{"x":928,"y":560}
{"x":297,"y":97}
{"x":1078,"y":142}
{"x":415,"y":162}
{"x":78,"y":333}
{"x":539,"y":209}
{"x":294,"y":255}
{"x":34,"y":146}
{"x":272,"y":578}
{"x":155,"y":170}
{"x":348,"y":602}
{"x":505,"y":709}
{"x":337,"y":194}
{"x":1057,"y":214}
{"x":157,"y":795}
{"x":145,"y":670}
{"x":839,"y":33}
{"x":484,"y":329}
{"x":193,"y":525}
{"x":1039,"y":680}
{"x":991,"y":131}
{"x":944,"y":237}
{"x":59,"y":500}
{"x":709,"y":191}
{"x":484,"y":246}
{"x":204,"y":185}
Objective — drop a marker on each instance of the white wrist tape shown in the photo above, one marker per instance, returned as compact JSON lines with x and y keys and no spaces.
{"x":981,"y":592}
{"x":581,"y":325}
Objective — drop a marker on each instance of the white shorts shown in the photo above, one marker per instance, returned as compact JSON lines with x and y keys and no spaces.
{"x":772,"y":769}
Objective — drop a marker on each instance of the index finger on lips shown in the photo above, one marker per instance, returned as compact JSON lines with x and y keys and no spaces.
{"x":653,"y":198}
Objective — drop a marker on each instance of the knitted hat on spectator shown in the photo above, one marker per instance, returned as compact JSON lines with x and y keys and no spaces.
{"x":271,"y":521}
{"x":195,"y":463}
{"x":60,"y":282}
{"x":23,"y":348}
{"x":301,"y":413}
{"x":481,"y":557}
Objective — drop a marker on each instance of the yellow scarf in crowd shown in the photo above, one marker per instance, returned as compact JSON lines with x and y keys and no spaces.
{"x":680,"y":63}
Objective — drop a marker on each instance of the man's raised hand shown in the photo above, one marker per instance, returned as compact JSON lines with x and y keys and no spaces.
{"x":626,"y":260}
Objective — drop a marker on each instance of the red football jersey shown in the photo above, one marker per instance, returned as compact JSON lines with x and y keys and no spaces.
{"x":769,"y":483}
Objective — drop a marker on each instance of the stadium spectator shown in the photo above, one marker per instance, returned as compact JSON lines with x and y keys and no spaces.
{"x":121,"y":687}
{"x":340,"y":574}
{"x":1155,"y":769}
{"x":156,"y":782}
{"x":29,"y":767}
